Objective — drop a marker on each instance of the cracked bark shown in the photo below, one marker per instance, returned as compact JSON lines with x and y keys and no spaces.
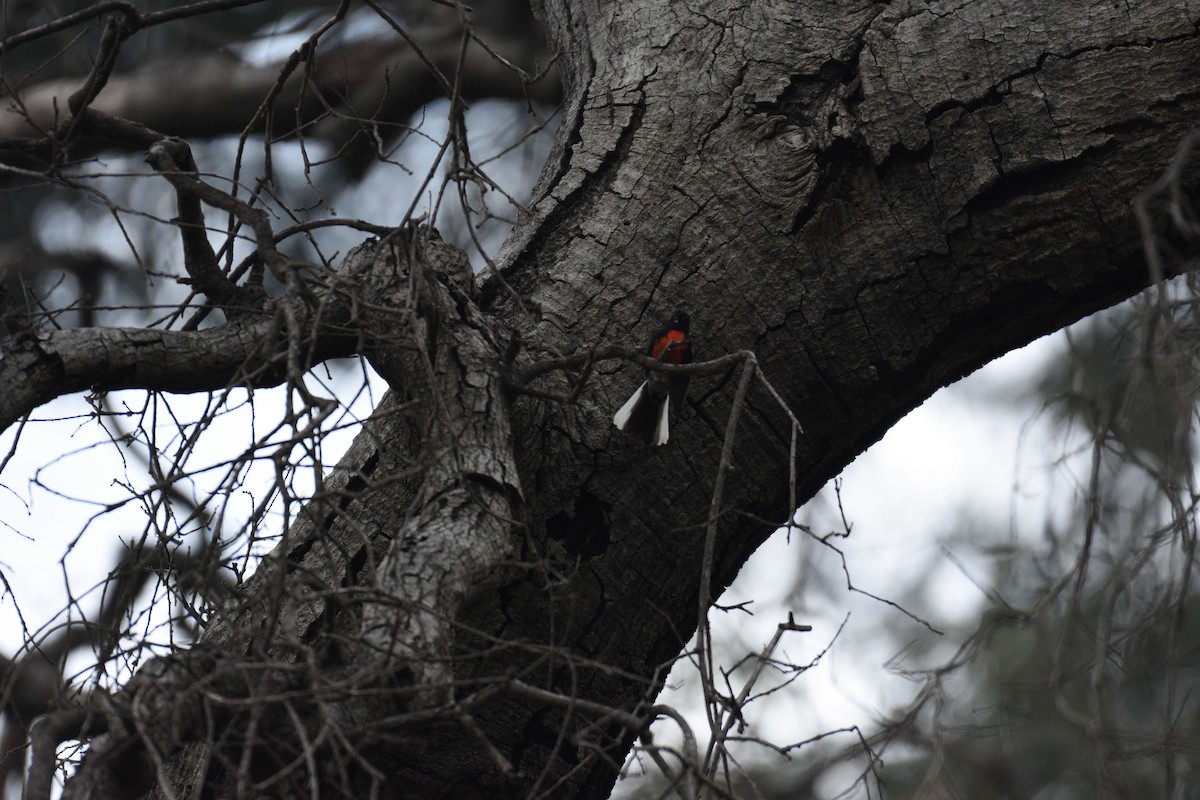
{"x":876,"y":199}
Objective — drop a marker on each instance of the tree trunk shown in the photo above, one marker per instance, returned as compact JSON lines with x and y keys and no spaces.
{"x":875,"y":199}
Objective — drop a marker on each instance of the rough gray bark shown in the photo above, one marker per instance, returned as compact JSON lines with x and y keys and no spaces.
{"x":874,"y":198}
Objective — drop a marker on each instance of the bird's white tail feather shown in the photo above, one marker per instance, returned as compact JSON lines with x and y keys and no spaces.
{"x":644,"y":416}
{"x":624,"y":412}
{"x":662,"y":431}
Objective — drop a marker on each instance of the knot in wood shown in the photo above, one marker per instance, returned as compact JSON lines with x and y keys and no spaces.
{"x":778,"y":159}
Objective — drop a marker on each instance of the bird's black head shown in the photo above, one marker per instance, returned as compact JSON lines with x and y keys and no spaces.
{"x":679,"y":320}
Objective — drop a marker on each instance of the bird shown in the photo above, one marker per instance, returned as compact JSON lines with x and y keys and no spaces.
{"x":645,"y":415}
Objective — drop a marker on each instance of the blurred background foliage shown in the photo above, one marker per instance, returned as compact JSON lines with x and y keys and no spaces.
{"x":1085,"y":684}
{"x":359,"y":131}
{"x":1079,"y":677}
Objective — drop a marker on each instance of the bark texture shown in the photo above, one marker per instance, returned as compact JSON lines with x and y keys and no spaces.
{"x":874,"y":198}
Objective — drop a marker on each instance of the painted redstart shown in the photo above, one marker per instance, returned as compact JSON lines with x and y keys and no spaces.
{"x":645,"y":414}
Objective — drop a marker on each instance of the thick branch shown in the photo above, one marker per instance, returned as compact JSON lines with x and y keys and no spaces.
{"x":457,"y":530}
{"x":45,"y":736}
{"x":366,"y":82}
{"x":248,"y":352}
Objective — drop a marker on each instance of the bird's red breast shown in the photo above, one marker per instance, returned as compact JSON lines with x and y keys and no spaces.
{"x":670,"y":347}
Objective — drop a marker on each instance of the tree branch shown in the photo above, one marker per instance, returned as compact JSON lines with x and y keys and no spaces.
{"x":172,"y":158}
{"x":161,"y":156}
{"x":364,"y":83}
{"x":248,"y":352}
{"x":45,"y":736}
